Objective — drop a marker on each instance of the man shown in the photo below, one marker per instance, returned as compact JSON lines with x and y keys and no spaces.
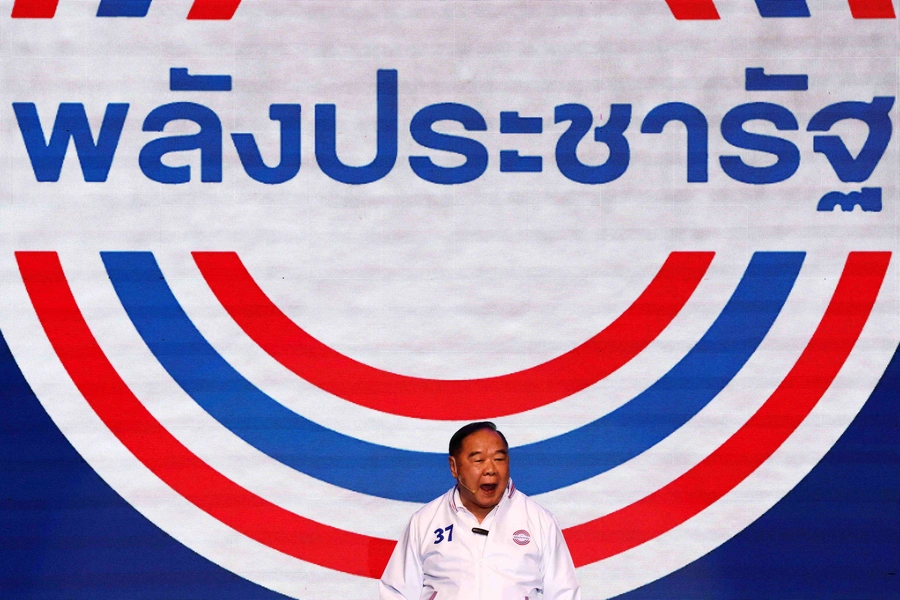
{"x":483,"y":539}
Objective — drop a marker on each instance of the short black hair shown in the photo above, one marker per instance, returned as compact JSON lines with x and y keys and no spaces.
{"x":465,"y":431}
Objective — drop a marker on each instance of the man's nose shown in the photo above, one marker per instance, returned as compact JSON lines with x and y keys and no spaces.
{"x":490,"y":468}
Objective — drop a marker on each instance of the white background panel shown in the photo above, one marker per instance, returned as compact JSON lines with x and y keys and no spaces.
{"x":449,"y":282}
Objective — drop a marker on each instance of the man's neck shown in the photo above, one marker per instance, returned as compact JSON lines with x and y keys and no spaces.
{"x":479,"y":512}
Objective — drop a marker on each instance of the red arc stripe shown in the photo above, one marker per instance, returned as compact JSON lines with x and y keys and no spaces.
{"x":462,"y":399}
{"x":221,"y":10}
{"x":693,"y":9}
{"x":872,"y":9}
{"x":34,"y":9}
{"x":758,"y":438}
{"x":595,"y":540}
{"x":165,"y":456}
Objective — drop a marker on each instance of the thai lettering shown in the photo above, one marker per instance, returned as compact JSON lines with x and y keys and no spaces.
{"x":786,"y":153}
{"x":875,"y":114}
{"x":71,"y":123}
{"x":288,"y":116}
{"x":208,"y":141}
{"x":753,"y":129}
{"x":475,"y":153}
{"x":697,"y":134}
{"x":386,"y":136}
{"x":612,"y":133}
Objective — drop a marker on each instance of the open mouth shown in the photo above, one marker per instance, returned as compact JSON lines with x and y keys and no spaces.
{"x":488,"y":488}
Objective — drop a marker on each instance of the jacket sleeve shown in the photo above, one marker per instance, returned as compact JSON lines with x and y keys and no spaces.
{"x":560,"y":581}
{"x":403,"y":577}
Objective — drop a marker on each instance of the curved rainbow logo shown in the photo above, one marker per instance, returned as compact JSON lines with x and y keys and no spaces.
{"x":298,"y":468}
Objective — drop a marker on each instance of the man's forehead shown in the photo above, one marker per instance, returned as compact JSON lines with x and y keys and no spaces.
{"x":483,"y":440}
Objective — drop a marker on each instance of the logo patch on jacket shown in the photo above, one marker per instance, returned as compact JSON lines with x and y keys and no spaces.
{"x":521,"y":537}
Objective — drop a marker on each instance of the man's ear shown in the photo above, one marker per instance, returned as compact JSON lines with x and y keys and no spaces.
{"x":452,"y":461}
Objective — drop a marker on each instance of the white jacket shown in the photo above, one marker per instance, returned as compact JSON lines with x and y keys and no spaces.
{"x":439,"y":557}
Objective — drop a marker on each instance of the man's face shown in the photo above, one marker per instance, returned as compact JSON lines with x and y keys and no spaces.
{"x":482,"y":465}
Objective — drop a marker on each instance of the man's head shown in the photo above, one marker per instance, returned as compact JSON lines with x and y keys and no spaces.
{"x":479,"y":461}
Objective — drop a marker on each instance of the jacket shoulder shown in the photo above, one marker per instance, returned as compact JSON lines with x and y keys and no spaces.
{"x":428,"y":512}
{"x":523,"y":502}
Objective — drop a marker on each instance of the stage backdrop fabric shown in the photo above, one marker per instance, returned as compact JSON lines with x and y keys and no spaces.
{"x":260,"y":259}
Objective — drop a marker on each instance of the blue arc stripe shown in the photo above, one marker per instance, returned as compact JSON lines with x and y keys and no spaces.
{"x":677,"y":396}
{"x":421,"y":476}
{"x":123,"y":8}
{"x":782,"y":8}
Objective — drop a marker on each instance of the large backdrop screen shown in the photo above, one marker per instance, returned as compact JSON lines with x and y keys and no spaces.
{"x":259,"y":259}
